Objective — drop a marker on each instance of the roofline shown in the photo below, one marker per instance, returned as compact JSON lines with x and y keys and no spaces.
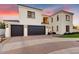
{"x":63,"y":11}
{"x":29,"y":6}
{"x":11,"y":20}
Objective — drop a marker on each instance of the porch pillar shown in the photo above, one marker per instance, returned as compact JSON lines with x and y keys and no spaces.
{"x":25,"y":30}
{"x":8,"y":30}
{"x":46,"y":30}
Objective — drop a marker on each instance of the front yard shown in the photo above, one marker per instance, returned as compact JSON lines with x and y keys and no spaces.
{"x":71,"y":36}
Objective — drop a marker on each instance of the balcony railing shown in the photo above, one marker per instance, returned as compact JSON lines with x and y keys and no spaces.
{"x":45,"y":23}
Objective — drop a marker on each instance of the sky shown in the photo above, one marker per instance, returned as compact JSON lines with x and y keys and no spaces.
{"x":10,"y":11}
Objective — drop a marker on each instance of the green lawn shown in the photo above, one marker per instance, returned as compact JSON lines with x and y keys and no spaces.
{"x":71,"y":36}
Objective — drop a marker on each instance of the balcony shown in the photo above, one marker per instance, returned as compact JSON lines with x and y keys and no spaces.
{"x":45,"y":20}
{"x":45,"y":23}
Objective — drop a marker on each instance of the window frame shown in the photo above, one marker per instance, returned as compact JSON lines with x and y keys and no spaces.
{"x":57,"y":28}
{"x":45,"y":20}
{"x":57,"y":17}
{"x":30,"y":14}
{"x":52,"y":19}
{"x":52,"y":28}
{"x":67,"y":28}
{"x":67,"y":17}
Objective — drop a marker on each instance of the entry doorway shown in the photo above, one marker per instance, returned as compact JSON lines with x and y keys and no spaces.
{"x":67,"y":28}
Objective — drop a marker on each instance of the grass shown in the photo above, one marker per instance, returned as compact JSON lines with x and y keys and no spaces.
{"x":71,"y":36}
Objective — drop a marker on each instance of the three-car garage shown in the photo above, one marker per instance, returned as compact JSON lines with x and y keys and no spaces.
{"x":18,"y":30}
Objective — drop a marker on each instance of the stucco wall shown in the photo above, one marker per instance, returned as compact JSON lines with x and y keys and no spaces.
{"x":70,"y":23}
{"x":62,"y":23}
{"x":30,"y":21}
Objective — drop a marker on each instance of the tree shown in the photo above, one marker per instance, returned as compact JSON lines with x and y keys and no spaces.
{"x":2,"y":25}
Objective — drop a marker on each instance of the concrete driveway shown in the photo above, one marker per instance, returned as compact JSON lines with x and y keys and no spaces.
{"x":44,"y":48}
{"x":37,"y":44}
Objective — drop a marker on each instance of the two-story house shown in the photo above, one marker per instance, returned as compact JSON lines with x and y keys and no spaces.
{"x":33,"y":22}
{"x":62,"y":22}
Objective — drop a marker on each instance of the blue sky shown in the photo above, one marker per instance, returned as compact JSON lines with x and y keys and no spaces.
{"x":71,"y":7}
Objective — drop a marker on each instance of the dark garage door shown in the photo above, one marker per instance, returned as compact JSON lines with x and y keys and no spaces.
{"x":17,"y":30}
{"x":36,"y":30}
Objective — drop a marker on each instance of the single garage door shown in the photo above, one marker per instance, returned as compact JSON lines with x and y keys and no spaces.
{"x":17,"y":30}
{"x":36,"y":30}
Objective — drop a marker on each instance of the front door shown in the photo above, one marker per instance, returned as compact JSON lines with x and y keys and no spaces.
{"x":67,"y":28}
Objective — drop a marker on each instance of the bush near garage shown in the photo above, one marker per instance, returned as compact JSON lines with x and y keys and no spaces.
{"x":2,"y":25}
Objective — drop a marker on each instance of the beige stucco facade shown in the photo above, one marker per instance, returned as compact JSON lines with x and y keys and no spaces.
{"x":62,"y":22}
{"x":24,"y":20}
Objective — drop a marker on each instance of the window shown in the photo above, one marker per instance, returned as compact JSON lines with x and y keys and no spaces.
{"x":45,"y":20}
{"x":51,"y":19}
{"x":57,"y":28}
{"x":52,"y":28}
{"x":57,"y":17}
{"x":67,"y":17}
{"x":30,"y":14}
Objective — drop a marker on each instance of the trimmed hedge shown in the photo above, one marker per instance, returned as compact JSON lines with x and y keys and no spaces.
{"x":2,"y":25}
{"x":71,"y":33}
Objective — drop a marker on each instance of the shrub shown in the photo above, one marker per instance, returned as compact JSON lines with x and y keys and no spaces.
{"x":49,"y":33}
{"x":53,"y":32}
{"x":2,"y":25}
{"x":71,"y":33}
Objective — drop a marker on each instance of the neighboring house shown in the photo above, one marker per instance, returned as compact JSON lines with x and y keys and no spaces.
{"x":33,"y":22}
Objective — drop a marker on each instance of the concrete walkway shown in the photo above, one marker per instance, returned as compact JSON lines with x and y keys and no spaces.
{"x":21,"y":42}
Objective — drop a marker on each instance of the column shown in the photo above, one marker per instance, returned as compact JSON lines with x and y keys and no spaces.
{"x":25,"y":30}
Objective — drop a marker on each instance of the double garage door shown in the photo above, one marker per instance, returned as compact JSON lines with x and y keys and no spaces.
{"x":18,"y":30}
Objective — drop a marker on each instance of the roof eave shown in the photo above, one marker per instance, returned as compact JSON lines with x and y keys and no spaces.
{"x":29,"y":6}
{"x":63,"y":11}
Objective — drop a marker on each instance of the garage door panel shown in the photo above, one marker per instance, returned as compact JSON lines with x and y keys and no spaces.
{"x":36,"y":30}
{"x":17,"y":30}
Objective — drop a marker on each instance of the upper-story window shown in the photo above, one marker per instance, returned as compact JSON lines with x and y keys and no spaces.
{"x":30,"y":14}
{"x":67,"y":18}
{"x":57,"y":17}
{"x":51,"y":19}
